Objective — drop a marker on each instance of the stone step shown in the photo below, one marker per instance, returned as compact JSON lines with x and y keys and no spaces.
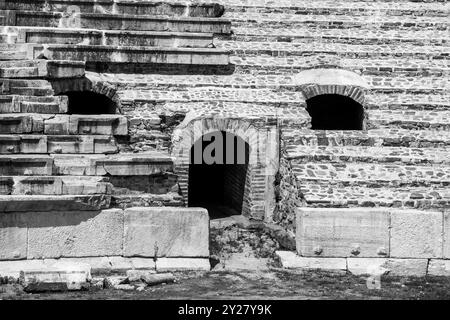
{"x":13,"y":55}
{"x":410,"y":119}
{"x":26,"y":87}
{"x":334,"y":47}
{"x":431,"y":101}
{"x":33,"y":104}
{"x":373,"y":173}
{"x":135,"y":55}
{"x":327,"y":21}
{"x":347,"y":7}
{"x":365,"y":35}
{"x":51,"y":185}
{"x":106,"y":124}
{"x":63,"y":124}
{"x":49,"y":203}
{"x":147,"y":200}
{"x":378,"y":84}
{"x":142,"y":7}
{"x":16,"y":69}
{"x":21,"y":72}
{"x":376,"y":101}
{"x":42,"y":144}
{"x":105,"y":21}
{"x":388,"y":137}
{"x":145,"y":164}
{"x":335,"y":194}
{"x":44,"y":35}
{"x":26,"y":165}
{"x":291,"y":64}
{"x":338,"y":154}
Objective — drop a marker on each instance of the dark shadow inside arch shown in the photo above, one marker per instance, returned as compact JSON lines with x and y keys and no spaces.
{"x":335,"y":112}
{"x":88,"y":102}
{"x":219,"y":187}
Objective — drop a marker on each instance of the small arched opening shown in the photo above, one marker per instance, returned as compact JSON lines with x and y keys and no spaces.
{"x":88,"y":102}
{"x":335,"y":112}
{"x":218,"y":174}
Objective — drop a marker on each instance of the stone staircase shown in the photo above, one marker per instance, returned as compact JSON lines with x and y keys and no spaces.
{"x":240,"y":58}
{"x":135,"y":33}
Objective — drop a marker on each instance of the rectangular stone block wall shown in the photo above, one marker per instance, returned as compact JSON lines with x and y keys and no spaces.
{"x":136,"y":232}
{"x":372,"y":233}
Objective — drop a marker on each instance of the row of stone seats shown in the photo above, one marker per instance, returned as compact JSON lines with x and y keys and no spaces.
{"x":106,"y":21}
{"x":386,"y":137}
{"x":373,"y":101}
{"x":167,"y":8}
{"x":340,"y":7}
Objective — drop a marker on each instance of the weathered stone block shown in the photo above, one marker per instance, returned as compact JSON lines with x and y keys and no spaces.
{"x":13,"y":236}
{"x":75,"y":234}
{"x":182,"y":264}
{"x":334,"y":232}
{"x":393,"y":267}
{"x":45,"y":203}
{"x":446,"y":237}
{"x":56,"y":277}
{"x":439,"y":267}
{"x":291,"y":260}
{"x":416,"y":234}
{"x":166,"y":232}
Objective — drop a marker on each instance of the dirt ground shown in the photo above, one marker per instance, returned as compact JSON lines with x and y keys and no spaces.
{"x":272,"y":284}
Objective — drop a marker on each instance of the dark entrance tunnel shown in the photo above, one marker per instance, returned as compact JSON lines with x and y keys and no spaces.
{"x":335,"y":112}
{"x":219,"y":186}
{"x":88,"y":102}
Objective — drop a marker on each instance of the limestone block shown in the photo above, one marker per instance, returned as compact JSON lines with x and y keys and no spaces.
{"x":56,"y":277}
{"x":13,"y":236}
{"x":416,"y":234}
{"x":182,"y":264}
{"x":70,"y":144}
{"x":58,"y":125}
{"x":37,"y":185}
{"x":43,"y":203}
{"x":75,"y":165}
{"x":9,"y":144}
{"x":98,"y":124}
{"x":446,"y":253}
{"x":439,"y":267}
{"x":407,"y":267}
{"x":290,"y":260}
{"x":335,"y":232}
{"x":166,"y":232}
{"x":12,"y":269}
{"x":75,"y":234}
{"x":382,"y":266}
{"x":367,"y":266}
{"x":33,"y":144}
{"x":15,"y":123}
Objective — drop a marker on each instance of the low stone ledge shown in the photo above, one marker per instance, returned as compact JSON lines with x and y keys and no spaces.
{"x":393,"y":267}
{"x":290,"y":260}
{"x":182,"y":264}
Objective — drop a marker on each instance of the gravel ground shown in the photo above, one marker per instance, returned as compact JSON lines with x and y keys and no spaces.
{"x":272,"y":284}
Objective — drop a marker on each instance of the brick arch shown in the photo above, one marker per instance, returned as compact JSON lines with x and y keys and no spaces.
{"x":261,"y":151}
{"x":85,"y":84}
{"x":322,"y":80}
{"x":318,"y":81}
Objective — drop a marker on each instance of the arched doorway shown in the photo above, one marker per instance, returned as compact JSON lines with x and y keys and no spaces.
{"x":218,"y":174}
{"x":88,"y":102}
{"x":335,"y":112}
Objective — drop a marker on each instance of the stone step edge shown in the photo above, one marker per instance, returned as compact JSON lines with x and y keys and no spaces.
{"x":101,"y":265}
{"x":374,"y":268}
